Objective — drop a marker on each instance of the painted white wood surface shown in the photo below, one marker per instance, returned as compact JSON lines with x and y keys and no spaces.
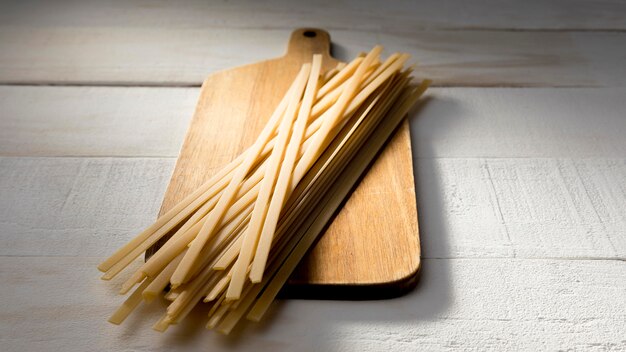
{"x":407,"y":15}
{"x":94,"y":121}
{"x":526,"y":208}
{"x":77,"y":206}
{"x":517,"y":123}
{"x":171,"y":56}
{"x":460,"y":304}
{"x":513,"y":208}
{"x":455,"y":123}
{"x":521,"y":192}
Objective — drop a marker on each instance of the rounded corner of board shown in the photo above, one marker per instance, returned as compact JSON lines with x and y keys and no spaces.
{"x":355,"y":291}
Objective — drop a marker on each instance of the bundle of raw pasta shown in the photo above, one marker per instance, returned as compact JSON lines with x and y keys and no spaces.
{"x":237,"y":238}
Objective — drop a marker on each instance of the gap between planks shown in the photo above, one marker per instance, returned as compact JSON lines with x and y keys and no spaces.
{"x":100,"y":258}
{"x":115,"y":84}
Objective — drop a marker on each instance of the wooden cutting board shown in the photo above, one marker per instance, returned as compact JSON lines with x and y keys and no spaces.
{"x":371,"y":249}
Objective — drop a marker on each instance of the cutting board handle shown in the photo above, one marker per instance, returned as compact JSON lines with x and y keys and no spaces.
{"x":305,"y":42}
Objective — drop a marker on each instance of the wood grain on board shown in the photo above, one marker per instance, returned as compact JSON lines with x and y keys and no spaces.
{"x":374,"y":240}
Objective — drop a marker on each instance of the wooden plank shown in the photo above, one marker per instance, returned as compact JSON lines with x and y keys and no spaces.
{"x":94,"y":121}
{"x":499,"y":207}
{"x":468,"y":304}
{"x":77,"y":206}
{"x":170,"y":56}
{"x":522,"y":207}
{"x":456,"y":122}
{"x":514,"y":123}
{"x":362,"y":15}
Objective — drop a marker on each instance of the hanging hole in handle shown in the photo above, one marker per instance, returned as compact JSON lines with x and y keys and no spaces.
{"x":309,"y":34}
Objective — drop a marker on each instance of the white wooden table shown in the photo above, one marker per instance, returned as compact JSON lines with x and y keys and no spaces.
{"x":520,"y":162}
